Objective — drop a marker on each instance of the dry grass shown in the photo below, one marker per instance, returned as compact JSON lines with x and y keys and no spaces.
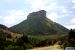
{"x":53,"y":47}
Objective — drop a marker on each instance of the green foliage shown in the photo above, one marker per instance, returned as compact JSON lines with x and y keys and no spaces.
{"x":10,"y":47}
{"x":9,"y":36}
{"x":70,"y":41}
{"x":22,"y":43}
{"x":26,"y":42}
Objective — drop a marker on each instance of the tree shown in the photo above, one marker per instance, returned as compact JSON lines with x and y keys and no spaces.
{"x":71,"y":38}
{"x":9,"y":36}
{"x":70,"y":41}
{"x":72,"y":34}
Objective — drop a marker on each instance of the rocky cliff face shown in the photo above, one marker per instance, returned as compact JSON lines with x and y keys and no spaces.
{"x":39,"y":14}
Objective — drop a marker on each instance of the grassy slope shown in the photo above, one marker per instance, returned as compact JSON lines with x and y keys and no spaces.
{"x":39,"y":26}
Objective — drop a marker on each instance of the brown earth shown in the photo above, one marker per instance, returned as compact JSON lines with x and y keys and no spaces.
{"x":53,"y":47}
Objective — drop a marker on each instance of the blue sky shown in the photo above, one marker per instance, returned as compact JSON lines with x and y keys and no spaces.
{"x":13,"y":12}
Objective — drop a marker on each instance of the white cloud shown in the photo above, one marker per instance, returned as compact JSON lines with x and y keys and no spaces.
{"x":1,"y":17}
{"x":65,"y":14}
{"x":42,"y":4}
{"x":15,"y":12}
{"x":73,"y":21}
{"x":12,"y":1}
{"x":52,"y":6}
{"x":64,"y":10}
{"x":73,"y":7}
{"x":71,"y":24}
{"x":1,"y":20}
{"x":73,"y":1}
{"x":14,"y":17}
{"x":36,"y":4}
{"x":53,"y":16}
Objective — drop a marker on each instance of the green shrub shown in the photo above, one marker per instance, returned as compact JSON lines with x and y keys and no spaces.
{"x":10,"y":47}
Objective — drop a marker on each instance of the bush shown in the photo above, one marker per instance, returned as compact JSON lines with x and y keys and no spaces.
{"x":9,"y":36}
{"x":10,"y":47}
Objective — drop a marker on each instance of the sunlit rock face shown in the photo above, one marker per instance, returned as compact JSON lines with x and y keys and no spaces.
{"x":39,"y":14}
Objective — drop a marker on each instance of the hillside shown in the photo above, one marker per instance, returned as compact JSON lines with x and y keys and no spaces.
{"x":3,"y":30}
{"x":38,"y":24}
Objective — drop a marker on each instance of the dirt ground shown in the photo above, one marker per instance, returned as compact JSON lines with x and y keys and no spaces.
{"x":53,"y":47}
